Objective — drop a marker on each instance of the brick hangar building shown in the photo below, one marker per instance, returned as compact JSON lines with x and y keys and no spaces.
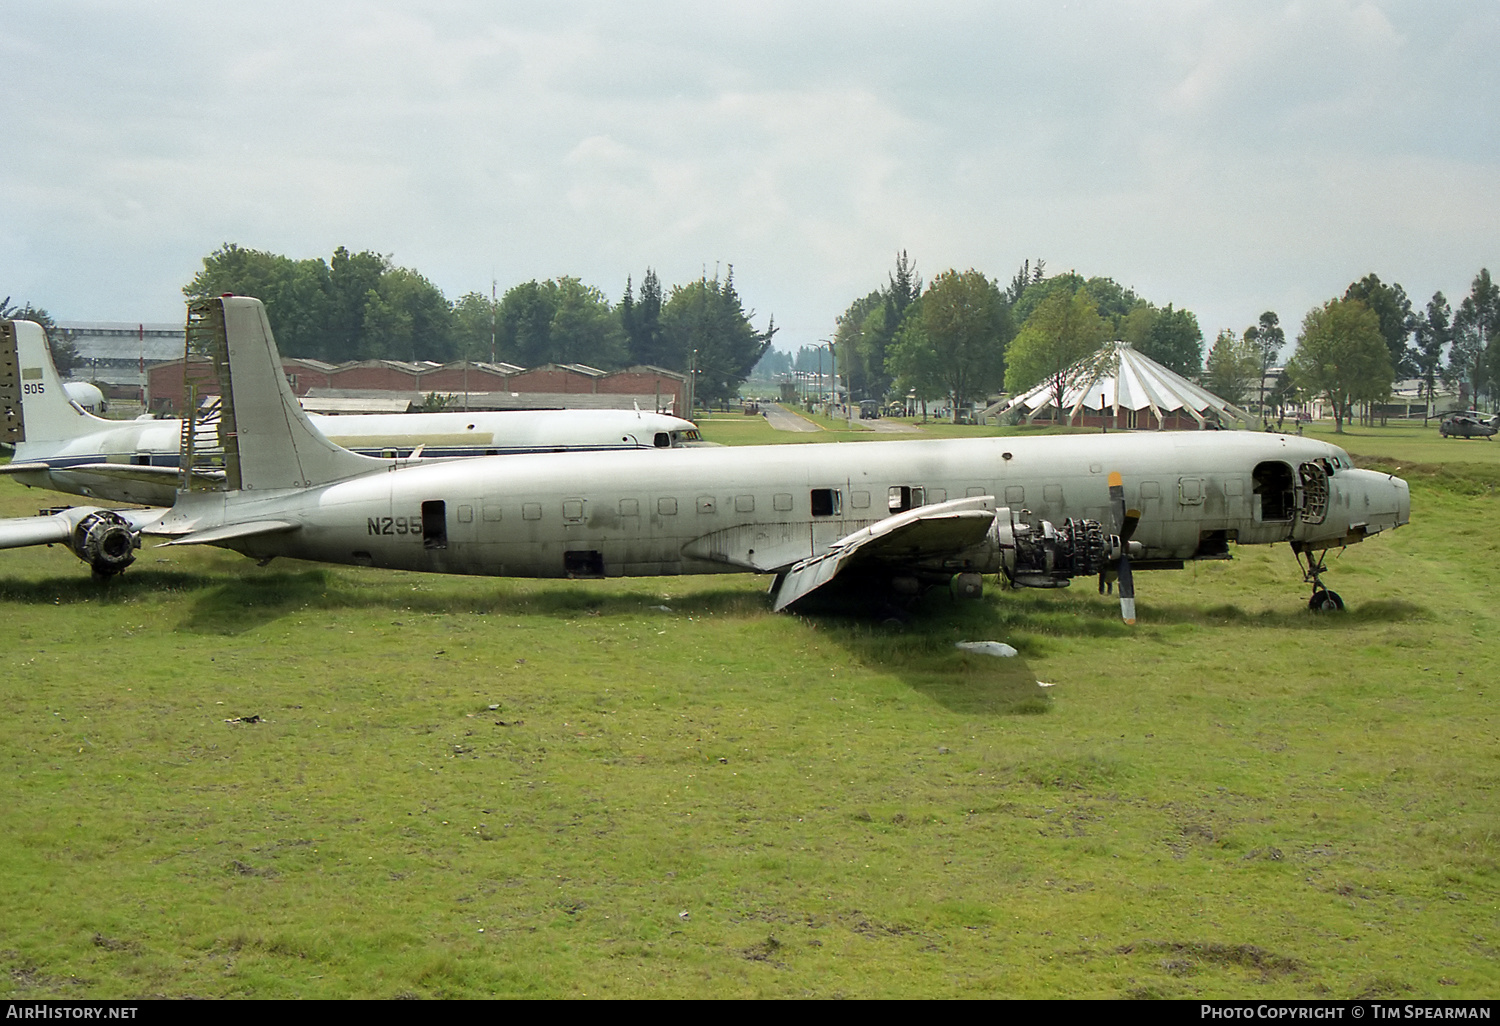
{"x":378,"y":386}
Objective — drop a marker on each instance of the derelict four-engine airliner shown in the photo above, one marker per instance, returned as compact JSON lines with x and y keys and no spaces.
{"x":897,"y":515}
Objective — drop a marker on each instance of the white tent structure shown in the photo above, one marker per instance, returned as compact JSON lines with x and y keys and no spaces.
{"x":1120,"y":388}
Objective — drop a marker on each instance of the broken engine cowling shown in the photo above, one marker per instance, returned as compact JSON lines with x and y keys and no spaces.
{"x":1046,"y":555}
{"x":105,"y":541}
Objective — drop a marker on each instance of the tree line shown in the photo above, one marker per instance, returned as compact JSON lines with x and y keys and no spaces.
{"x":360,"y":306}
{"x":1353,"y":348}
{"x":965,"y":336}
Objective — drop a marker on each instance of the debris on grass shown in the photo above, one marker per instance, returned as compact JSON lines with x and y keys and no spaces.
{"x":989,"y":648}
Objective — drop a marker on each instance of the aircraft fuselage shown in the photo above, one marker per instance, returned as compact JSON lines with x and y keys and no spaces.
{"x":691,"y":511}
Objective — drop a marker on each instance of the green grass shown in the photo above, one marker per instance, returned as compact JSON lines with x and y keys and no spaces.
{"x":1235,"y":798}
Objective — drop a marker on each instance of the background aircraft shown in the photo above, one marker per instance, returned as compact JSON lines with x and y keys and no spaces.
{"x":1469,"y":424}
{"x":61,"y":446}
{"x":893,"y":516}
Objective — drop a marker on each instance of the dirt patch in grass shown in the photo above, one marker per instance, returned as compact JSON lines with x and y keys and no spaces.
{"x":1185,"y":957}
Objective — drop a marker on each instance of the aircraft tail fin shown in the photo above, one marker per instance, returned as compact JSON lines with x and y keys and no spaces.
{"x":36,"y":408}
{"x":269,"y":442}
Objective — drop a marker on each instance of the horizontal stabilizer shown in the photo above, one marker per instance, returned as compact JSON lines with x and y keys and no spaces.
{"x":905,"y":540}
{"x":144,"y":474}
{"x":232,"y":532}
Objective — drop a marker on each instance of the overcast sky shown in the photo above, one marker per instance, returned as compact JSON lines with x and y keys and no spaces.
{"x":1226,"y":157}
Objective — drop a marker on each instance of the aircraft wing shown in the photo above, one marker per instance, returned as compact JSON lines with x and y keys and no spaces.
{"x":57,"y":528}
{"x":920,"y":536}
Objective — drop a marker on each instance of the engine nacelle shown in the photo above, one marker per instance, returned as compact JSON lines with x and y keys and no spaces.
{"x":1045,"y":555}
{"x":105,"y":541}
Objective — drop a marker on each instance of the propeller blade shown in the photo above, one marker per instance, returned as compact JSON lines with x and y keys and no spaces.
{"x":1117,"y":500}
{"x":1125,"y":522}
{"x":1127,"y":591}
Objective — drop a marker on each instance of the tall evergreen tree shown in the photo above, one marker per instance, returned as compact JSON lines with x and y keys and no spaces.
{"x":641,"y":319}
{"x":707,"y":323}
{"x":1434,"y":332}
{"x":1267,"y":337}
{"x":1475,"y":356}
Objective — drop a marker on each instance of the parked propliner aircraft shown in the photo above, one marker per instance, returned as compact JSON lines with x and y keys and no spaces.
{"x":898,"y":515}
{"x":61,"y":446}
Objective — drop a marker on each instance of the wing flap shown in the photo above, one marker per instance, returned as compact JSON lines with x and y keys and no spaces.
{"x":234,"y":532}
{"x":921,"y":535}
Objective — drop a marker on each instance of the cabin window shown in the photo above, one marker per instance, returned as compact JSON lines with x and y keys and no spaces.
{"x":491,"y":514}
{"x":937,"y":495}
{"x":1150,"y":490}
{"x":141,"y":459}
{"x":973,"y":493}
{"x":572,"y":509}
{"x":666,"y":507}
{"x":782,"y":502}
{"x":825,"y":502}
{"x":744,"y":504}
{"x":1190,"y":491}
{"x":434,"y":525}
{"x":901,"y":498}
{"x":630,"y":508}
{"x":389,"y":454}
{"x":1052,"y":495}
{"x":1015,"y":495}
{"x":859,"y":500}
{"x":531,"y":511}
{"x":1234,"y":486}
{"x":706,"y":504}
{"x":466,"y":514}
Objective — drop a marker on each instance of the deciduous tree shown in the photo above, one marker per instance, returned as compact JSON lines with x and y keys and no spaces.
{"x":1175,"y":341}
{"x":1233,"y":365}
{"x":1342,"y":356}
{"x":1064,"y":329}
{"x":1390,"y":304}
{"x":967,"y":324}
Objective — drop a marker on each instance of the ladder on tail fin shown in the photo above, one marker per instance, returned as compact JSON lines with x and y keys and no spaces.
{"x":209,"y":446}
{"x":12,"y":424}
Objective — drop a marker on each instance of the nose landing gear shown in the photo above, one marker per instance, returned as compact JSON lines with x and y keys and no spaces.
{"x":1313,"y":568}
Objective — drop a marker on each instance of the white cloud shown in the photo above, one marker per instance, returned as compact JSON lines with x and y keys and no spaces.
{"x":1227,"y":157}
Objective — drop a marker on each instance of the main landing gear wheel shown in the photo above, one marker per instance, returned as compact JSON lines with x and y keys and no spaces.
{"x":1325,"y":601}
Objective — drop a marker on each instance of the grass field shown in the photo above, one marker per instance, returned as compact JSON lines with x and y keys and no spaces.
{"x":469,"y":788}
